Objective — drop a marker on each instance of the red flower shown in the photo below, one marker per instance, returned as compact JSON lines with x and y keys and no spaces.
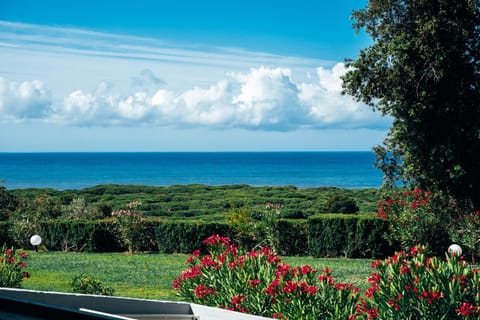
{"x":216,"y":239}
{"x":466,"y":309}
{"x":194,"y":256}
{"x":272,"y":288}
{"x":253,"y":283}
{"x":376,"y":264}
{"x":201,"y":291}
{"x":305,"y":269}
{"x":237,"y":300}
{"x":23,"y":255}
{"x":404,"y":269}
{"x":290,"y":287}
{"x":207,"y":261}
{"x":312,"y":290}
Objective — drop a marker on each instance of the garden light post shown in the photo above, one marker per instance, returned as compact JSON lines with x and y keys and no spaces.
{"x":36,"y":240}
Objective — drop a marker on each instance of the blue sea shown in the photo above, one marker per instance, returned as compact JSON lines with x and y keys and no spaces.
{"x":78,"y":170}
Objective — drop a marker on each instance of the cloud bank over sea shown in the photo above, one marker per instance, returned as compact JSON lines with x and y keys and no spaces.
{"x":105,"y":80}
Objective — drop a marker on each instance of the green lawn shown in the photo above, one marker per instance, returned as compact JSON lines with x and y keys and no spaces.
{"x":149,"y":275}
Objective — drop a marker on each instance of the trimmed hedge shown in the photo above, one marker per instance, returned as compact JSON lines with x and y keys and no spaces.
{"x":292,"y":237}
{"x":342,"y":235}
{"x":325,"y":235}
{"x":5,"y":234}
{"x":185,"y":237}
{"x":75,"y":235}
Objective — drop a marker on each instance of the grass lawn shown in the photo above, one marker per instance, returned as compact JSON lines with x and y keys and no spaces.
{"x":150,"y":275}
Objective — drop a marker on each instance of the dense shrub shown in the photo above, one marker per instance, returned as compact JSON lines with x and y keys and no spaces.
{"x":354,"y":236}
{"x":185,"y":200}
{"x":88,"y":285}
{"x":465,"y":229}
{"x":340,"y":203}
{"x":8,"y":203}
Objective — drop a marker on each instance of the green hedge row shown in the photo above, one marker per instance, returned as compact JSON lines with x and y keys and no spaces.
{"x":319,"y":236}
{"x":184,"y":237}
{"x":352,"y":236}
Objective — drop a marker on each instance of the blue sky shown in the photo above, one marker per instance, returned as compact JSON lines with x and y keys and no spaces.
{"x":180,"y":76}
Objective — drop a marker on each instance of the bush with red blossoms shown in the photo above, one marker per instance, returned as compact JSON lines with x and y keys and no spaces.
{"x":416,"y":217}
{"x":257,"y":282}
{"x":12,"y":267}
{"x":410,"y":285}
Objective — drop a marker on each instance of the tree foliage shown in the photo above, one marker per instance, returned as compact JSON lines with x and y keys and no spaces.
{"x":423,"y":70}
{"x":8,"y":203}
{"x":341,"y":204}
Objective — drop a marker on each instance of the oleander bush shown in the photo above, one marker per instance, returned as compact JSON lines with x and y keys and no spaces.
{"x":412,"y":285}
{"x":257,"y":282}
{"x":407,"y":285}
{"x":12,"y":267}
{"x":416,"y":217}
{"x":130,"y":227}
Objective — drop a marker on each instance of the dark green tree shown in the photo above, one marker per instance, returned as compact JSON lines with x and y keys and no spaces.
{"x":340,"y":203}
{"x":8,"y":203}
{"x":423,"y":70}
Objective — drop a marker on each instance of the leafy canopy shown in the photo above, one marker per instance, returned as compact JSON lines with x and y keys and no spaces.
{"x":423,"y":70}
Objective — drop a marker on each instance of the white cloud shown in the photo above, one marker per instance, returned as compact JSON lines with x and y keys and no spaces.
{"x":261,"y":99}
{"x":329,"y":108}
{"x":24,"y":100}
{"x":268,"y":99}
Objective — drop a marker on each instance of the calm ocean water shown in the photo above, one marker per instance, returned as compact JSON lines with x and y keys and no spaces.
{"x":79,"y":170}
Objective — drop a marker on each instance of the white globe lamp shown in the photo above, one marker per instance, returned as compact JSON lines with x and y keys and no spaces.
{"x":36,"y":240}
{"x":455,"y":250}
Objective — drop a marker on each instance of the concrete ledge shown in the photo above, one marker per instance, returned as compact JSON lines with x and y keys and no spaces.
{"x":81,"y":306}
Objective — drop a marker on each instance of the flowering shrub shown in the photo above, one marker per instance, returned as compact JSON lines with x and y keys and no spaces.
{"x":12,"y":265}
{"x":410,"y":285}
{"x":255,"y":230}
{"x":130,"y":227}
{"x":415,"y":217}
{"x":258,"y":282}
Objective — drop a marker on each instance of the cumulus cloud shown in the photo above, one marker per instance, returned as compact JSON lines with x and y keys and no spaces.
{"x":24,"y":100}
{"x":260,"y":99}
